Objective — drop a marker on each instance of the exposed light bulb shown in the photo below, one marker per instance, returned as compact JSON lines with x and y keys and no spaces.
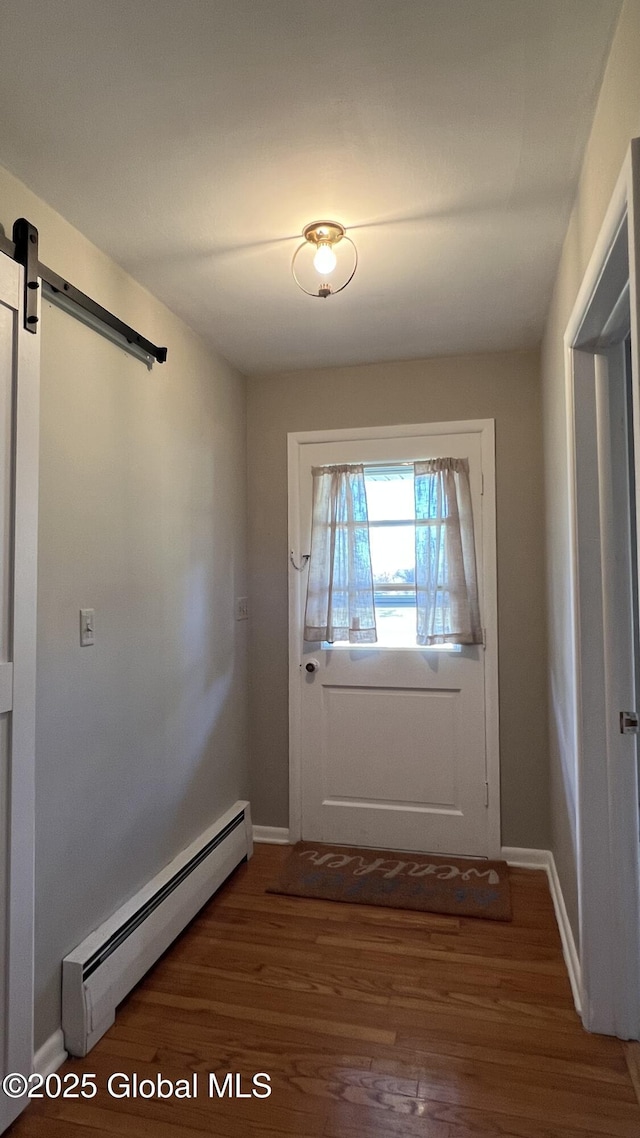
{"x":325,"y":259}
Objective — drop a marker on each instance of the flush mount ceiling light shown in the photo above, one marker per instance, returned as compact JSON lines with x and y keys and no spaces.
{"x":326,"y":261}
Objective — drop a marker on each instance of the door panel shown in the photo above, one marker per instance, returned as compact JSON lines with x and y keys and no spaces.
{"x":8,"y":317}
{"x":369,"y":724}
{"x":7,"y":339}
{"x":392,"y":741}
{"x":19,"y":361}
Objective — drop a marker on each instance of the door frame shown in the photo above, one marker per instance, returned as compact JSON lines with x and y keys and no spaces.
{"x":296,"y":441}
{"x":607,"y":847}
{"x":19,"y":947}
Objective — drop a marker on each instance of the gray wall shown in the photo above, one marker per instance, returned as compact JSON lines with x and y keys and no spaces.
{"x":616,"y":121}
{"x":141,"y":739}
{"x":502,"y":386}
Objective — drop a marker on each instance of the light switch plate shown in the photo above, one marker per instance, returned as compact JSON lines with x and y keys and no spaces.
{"x":87,"y":628}
{"x":242,"y":608}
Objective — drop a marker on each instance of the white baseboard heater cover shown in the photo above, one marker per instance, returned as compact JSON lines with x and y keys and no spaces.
{"x":105,"y":967}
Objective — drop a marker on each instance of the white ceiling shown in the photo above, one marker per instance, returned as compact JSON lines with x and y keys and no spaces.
{"x":193,"y":139}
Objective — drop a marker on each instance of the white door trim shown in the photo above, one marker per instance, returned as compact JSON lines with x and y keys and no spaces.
{"x":20,"y":819}
{"x":486,"y":429}
{"x":607,"y":854}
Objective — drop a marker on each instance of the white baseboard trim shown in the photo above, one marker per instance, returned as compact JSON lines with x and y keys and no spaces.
{"x":272,"y":835}
{"x":51,"y":1055}
{"x":569,"y":949}
{"x":521,"y":858}
{"x":544,"y":859}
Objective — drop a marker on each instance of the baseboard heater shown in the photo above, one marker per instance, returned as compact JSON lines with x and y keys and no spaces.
{"x":105,"y":967}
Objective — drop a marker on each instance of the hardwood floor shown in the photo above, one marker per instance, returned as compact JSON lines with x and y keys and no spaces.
{"x":371,"y":1023}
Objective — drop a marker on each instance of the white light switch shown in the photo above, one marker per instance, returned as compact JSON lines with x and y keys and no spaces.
{"x":87,"y":627}
{"x":242,"y":608}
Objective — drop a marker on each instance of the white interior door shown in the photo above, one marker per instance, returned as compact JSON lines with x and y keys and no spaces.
{"x":602,"y":345}
{"x":616,"y":494}
{"x":18,"y":535}
{"x":393,"y":745}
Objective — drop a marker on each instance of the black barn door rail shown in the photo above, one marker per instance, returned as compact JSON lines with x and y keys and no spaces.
{"x":24,"y":249}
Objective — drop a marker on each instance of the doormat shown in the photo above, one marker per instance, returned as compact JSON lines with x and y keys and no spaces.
{"x":461,"y":887}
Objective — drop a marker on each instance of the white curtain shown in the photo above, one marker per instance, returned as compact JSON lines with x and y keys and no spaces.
{"x":446,"y":577}
{"x":340,"y":602}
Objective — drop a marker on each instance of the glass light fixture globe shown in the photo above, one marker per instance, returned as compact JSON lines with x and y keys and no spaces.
{"x":325,"y":259}
{"x":317,"y":258}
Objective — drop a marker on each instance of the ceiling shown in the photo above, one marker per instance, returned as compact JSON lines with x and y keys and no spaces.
{"x":193,"y":139}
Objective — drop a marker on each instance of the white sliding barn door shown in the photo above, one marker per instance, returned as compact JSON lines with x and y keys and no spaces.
{"x":391,"y":740}
{"x":19,"y":375}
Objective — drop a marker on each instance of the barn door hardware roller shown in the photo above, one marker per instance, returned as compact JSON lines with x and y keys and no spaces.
{"x":25,"y":236}
{"x":24,"y":249}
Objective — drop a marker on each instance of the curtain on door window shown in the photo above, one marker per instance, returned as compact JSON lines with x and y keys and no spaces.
{"x":340,"y":602}
{"x":446,"y":577}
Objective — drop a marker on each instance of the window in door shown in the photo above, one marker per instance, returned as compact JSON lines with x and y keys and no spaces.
{"x":392,"y":537}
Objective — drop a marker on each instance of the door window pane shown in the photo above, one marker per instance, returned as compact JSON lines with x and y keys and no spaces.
{"x":393,"y":554}
{"x":392,"y":537}
{"x":390,"y":492}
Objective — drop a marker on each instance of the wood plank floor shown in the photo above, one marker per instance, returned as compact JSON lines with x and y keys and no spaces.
{"x":371,"y":1023}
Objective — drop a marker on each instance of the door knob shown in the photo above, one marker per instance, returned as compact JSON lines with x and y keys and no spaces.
{"x":312,"y":666}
